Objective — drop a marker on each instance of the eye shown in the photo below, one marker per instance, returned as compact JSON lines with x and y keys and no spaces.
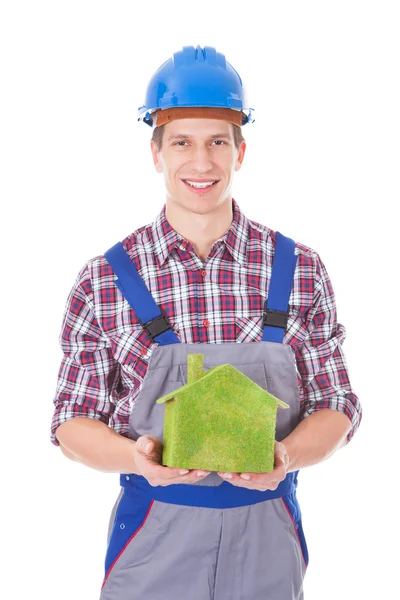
{"x":219,"y":142}
{"x":180,"y":142}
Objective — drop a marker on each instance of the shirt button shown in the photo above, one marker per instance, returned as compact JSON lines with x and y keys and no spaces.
{"x":204,"y":273}
{"x":144,"y":351}
{"x":206,"y":322}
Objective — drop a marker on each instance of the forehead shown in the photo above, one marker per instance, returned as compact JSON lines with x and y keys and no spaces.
{"x":198,"y":128}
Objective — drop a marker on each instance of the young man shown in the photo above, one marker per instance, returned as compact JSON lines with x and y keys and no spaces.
{"x":201,"y":278}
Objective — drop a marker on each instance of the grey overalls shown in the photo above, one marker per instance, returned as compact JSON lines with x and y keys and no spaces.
{"x":210,"y":540}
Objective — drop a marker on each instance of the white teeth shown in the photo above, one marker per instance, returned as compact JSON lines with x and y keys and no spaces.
{"x":197,"y":184}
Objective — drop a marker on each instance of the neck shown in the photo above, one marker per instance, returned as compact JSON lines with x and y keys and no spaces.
{"x":201,"y":230}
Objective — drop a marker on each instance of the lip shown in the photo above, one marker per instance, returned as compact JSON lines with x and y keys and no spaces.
{"x":200,"y":190}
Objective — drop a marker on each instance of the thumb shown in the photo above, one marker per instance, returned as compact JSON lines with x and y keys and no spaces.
{"x":282,"y":458}
{"x":146,"y":444}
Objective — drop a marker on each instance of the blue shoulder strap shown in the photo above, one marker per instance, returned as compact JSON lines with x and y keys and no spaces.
{"x":134,"y":290}
{"x":276,"y":307}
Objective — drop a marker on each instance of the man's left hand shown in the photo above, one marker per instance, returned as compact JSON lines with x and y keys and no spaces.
{"x":262,"y":481}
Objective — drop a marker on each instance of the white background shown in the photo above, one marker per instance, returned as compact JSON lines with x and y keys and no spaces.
{"x":322,"y":166}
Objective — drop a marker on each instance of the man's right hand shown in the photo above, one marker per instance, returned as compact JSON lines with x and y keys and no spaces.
{"x":148,"y":455}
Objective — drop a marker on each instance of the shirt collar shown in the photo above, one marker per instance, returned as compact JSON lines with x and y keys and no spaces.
{"x":166,"y":239}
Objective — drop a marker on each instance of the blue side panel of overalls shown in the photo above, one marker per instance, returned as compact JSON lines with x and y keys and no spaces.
{"x":136,"y":488}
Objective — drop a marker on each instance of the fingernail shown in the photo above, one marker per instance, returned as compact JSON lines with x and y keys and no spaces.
{"x":227,"y":475}
{"x":183,"y":472}
{"x":147,"y":447}
{"x":245,"y":477}
{"x":201,"y":473}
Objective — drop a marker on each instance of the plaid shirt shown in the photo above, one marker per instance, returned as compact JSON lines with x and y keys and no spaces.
{"x":106,"y":351}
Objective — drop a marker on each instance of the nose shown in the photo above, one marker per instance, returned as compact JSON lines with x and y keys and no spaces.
{"x":201,"y":159}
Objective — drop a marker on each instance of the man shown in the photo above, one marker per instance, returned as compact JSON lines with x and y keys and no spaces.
{"x":201,"y":278}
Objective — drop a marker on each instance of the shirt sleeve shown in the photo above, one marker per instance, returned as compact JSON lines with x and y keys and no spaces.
{"x":320,"y":359}
{"x":88,"y":373}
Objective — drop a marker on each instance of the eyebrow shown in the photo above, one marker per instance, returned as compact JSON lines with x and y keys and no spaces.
{"x":184,"y":136}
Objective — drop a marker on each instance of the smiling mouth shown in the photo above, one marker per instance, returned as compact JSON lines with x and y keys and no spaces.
{"x":200,"y":185}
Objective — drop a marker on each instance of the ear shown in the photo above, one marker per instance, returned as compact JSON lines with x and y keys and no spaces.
{"x":156,"y":158}
{"x":240,"y":156}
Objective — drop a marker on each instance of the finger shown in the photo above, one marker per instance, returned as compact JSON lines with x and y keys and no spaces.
{"x":259,"y":481}
{"x":165,"y":473}
{"x":230,"y":476}
{"x":180,"y":475}
{"x":240,"y":482}
{"x":260,"y":485}
{"x":279,"y":473}
{"x":188,"y":478}
{"x":280,"y":460}
{"x":225,"y":475}
{"x":147,"y":447}
{"x":194,"y":476}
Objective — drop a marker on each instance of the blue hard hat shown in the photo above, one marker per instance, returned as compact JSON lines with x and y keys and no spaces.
{"x":195,"y":77}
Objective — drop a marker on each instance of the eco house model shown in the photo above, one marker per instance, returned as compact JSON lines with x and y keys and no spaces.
{"x":219,"y":421}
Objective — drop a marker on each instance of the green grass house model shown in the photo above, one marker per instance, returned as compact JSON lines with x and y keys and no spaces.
{"x":219,"y":421}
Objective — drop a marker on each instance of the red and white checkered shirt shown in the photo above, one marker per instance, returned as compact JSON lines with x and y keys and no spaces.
{"x":106,"y":351}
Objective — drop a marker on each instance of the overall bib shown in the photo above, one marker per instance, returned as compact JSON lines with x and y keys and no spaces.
{"x":210,"y":540}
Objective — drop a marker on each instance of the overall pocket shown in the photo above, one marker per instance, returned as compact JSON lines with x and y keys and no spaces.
{"x":249,"y":329}
{"x":292,"y":517}
{"x":133,"y":534}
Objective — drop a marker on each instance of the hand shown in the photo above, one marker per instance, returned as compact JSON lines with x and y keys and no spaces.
{"x":148,"y":453}
{"x":262,"y":481}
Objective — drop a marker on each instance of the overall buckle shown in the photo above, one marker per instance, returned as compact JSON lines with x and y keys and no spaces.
{"x":156,"y":326}
{"x":275,"y":318}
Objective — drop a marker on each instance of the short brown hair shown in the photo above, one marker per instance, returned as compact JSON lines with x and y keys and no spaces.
{"x":158,"y":135}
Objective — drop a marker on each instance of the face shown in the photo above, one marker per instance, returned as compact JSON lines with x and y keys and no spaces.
{"x":198,"y":159}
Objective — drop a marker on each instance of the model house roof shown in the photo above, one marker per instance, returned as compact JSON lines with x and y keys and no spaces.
{"x":225,"y":378}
